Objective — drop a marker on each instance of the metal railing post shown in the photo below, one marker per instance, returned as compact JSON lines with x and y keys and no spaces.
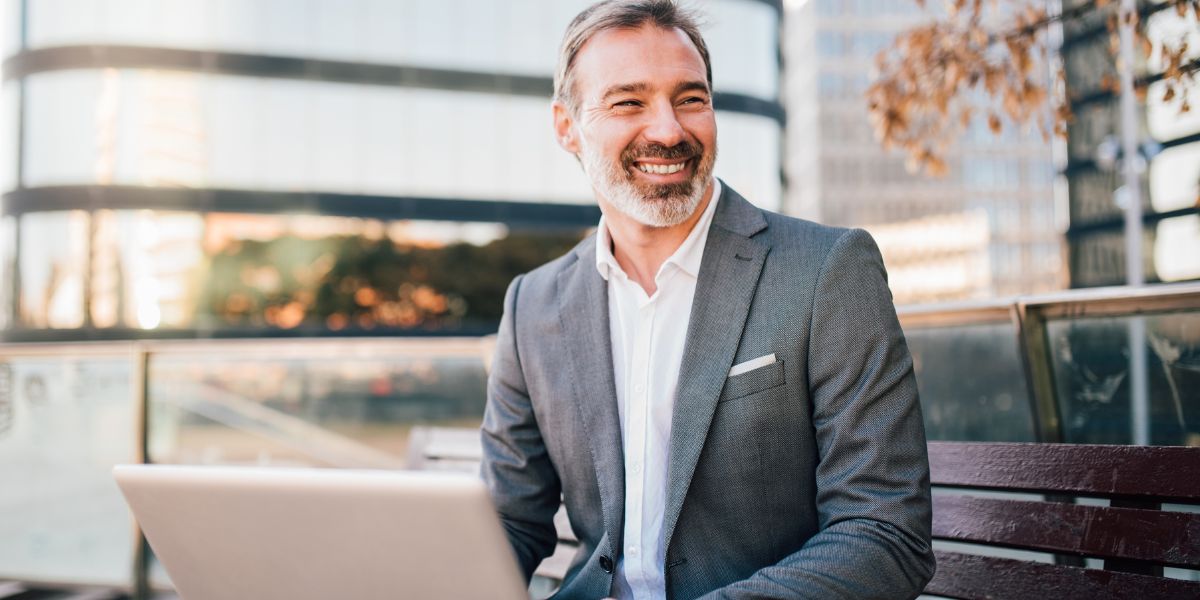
{"x":141,"y":549}
{"x":1036,"y":357}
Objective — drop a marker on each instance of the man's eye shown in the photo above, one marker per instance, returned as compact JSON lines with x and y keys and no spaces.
{"x":693,"y":100}
{"x":624,"y":103}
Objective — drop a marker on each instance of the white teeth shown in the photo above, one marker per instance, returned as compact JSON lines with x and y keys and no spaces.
{"x":661,"y":169}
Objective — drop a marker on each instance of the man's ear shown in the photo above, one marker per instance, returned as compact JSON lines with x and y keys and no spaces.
{"x":564,"y":127}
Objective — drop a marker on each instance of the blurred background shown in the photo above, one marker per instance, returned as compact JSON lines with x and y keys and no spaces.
{"x":279,"y":232}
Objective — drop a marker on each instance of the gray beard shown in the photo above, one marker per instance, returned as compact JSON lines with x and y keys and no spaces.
{"x":665,"y":206}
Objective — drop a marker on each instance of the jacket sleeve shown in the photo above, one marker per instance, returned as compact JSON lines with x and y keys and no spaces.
{"x":872,"y":479}
{"x":516,"y":467}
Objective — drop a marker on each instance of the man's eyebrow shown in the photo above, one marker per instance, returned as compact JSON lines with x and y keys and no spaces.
{"x":624,"y":88}
{"x":641,"y":86}
{"x":691,"y":86}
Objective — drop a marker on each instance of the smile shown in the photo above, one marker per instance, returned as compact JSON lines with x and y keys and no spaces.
{"x":661,"y":169}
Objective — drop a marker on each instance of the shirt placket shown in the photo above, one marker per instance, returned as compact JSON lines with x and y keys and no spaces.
{"x":639,"y":411}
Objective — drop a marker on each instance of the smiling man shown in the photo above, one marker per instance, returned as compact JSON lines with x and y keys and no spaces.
{"x":721,"y":396}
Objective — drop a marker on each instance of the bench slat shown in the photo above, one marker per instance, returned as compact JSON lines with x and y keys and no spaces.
{"x":1166,"y":538}
{"x":1169,"y":473}
{"x":968,"y":576}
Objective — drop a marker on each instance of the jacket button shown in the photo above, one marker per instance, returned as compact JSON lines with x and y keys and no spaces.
{"x":606,"y":563}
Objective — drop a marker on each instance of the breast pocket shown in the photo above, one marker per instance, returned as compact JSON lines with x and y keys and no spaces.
{"x":744,"y":384}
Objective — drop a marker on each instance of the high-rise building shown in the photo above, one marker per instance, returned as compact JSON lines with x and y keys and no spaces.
{"x":237,"y":167}
{"x":990,"y":227}
{"x":1170,"y":187}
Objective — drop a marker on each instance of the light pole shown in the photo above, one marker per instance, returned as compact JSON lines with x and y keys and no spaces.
{"x":1132,"y":166}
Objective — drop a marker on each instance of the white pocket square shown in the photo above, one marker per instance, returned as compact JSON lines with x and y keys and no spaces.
{"x":752,"y":364}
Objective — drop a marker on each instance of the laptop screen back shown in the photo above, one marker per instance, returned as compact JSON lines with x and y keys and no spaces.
{"x":243,"y":532}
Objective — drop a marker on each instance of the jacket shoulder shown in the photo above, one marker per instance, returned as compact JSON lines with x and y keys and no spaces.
{"x":791,"y":235}
{"x":539,"y":285}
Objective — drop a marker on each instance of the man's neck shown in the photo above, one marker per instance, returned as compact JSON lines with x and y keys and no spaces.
{"x":639,"y":249}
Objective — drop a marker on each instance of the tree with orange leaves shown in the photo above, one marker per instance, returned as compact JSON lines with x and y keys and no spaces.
{"x":993,"y":59}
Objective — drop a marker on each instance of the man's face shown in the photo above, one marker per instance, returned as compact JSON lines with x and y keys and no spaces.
{"x":644,"y":128}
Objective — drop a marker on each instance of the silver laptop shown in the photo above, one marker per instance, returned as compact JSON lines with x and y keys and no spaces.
{"x":231,"y":533}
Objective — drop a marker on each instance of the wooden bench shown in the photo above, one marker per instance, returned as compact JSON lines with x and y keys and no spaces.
{"x":1132,"y":536}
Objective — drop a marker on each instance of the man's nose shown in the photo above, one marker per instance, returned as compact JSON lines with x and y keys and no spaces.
{"x":664,"y":127}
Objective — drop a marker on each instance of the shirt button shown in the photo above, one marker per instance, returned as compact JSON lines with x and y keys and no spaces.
{"x":639,"y":388}
{"x":633,"y":550}
{"x":637,"y":467}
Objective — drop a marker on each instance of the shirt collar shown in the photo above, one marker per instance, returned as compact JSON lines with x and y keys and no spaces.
{"x":686,"y":257}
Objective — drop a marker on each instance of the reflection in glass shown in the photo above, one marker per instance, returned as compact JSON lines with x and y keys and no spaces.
{"x":987,"y":402}
{"x":65,"y":422}
{"x":338,"y":274}
{"x":341,"y":405}
{"x":474,"y":36}
{"x":9,"y":116}
{"x":8,"y":254}
{"x":53,"y":263}
{"x":170,"y":270}
{"x":161,"y":128}
{"x":145,"y":268}
{"x":1177,"y":248}
{"x":1092,"y":372}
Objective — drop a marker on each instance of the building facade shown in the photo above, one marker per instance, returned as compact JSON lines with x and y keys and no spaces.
{"x":989,"y":228}
{"x":191,"y":168}
{"x":1170,"y":186}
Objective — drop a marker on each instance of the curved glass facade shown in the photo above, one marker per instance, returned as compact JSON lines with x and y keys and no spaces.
{"x":182,"y":167}
{"x":448,"y":34}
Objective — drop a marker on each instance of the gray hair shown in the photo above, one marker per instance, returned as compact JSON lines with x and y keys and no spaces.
{"x":621,"y":14}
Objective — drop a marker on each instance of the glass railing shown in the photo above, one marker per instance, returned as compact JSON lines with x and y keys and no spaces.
{"x":1100,"y":366}
{"x":1055,"y":368}
{"x":68,"y":413}
{"x":969,"y":373}
{"x":315,"y":403}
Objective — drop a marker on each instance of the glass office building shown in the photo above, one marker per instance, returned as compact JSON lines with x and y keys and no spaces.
{"x":198,"y":168}
{"x":1170,"y":187}
{"x":990,"y":227}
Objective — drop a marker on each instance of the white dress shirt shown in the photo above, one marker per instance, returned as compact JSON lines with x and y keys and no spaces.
{"x":648,"y":333}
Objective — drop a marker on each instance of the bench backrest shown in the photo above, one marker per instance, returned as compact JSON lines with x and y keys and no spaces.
{"x":1133,"y":536}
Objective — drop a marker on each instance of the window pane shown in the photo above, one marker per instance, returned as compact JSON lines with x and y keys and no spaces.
{"x":9,"y":99}
{"x":8,"y":256}
{"x":1177,"y":248}
{"x":1094,"y":371}
{"x":352,"y":274}
{"x":452,"y":34}
{"x":749,"y":157}
{"x":1175,"y":178}
{"x":167,"y":270}
{"x":743,"y":38}
{"x":53,"y":262}
{"x":985,"y":403}
{"x":63,"y":122}
{"x":336,"y":404}
{"x":65,"y":421}
{"x":181,"y":129}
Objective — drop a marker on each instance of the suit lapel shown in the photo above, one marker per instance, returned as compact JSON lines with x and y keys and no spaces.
{"x":724,"y":290}
{"x":583,"y":313}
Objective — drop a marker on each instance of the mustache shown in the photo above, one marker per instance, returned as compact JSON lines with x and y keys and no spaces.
{"x":684,"y":149}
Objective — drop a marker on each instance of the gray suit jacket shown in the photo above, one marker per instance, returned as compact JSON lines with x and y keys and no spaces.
{"x":807,"y":478}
